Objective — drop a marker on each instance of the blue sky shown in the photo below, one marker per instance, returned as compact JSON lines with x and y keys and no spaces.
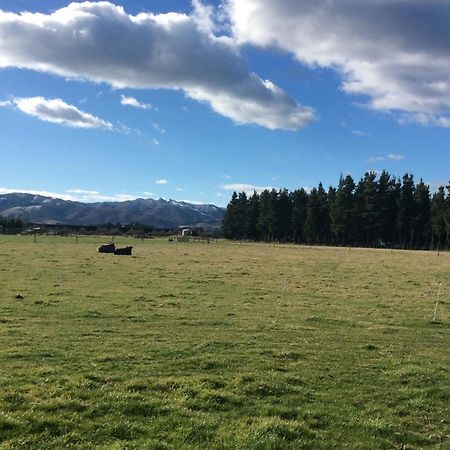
{"x":103,"y":103}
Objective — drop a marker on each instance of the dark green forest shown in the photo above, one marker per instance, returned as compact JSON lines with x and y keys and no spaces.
{"x":383,"y":211}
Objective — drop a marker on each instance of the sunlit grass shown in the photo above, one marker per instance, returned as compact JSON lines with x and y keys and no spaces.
{"x":221,"y":346}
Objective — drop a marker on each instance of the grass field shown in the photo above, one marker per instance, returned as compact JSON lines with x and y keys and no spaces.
{"x":222,"y":346}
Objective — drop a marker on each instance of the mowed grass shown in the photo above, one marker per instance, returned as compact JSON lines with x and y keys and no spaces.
{"x":222,"y":346}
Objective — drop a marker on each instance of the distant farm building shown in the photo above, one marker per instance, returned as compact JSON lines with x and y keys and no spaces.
{"x":186,"y":232}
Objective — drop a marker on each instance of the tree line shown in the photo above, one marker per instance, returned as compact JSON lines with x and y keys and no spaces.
{"x":10,"y":225}
{"x":383,"y":211}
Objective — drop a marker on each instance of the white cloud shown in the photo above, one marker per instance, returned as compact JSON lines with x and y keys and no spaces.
{"x":158,"y":128}
{"x":100,"y":42}
{"x":155,"y":141}
{"x":396,"y":52}
{"x":178,"y":189}
{"x":395,"y":157}
{"x":426,"y":120}
{"x":57,"y":111}
{"x":6,"y":103}
{"x":359,"y":133}
{"x":82,"y":191}
{"x":75,"y":195}
{"x":374,"y":159}
{"x":161,"y":181}
{"x":389,"y":156}
{"x":243,"y":187}
{"x":192,"y":202}
{"x":131,"y":101}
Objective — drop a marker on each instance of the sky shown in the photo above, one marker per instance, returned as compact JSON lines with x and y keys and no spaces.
{"x":190,"y":101}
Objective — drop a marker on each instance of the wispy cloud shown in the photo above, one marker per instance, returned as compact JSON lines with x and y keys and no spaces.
{"x":395,"y":157}
{"x":82,"y":192}
{"x":243,"y":187}
{"x":155,"y":141}
{"x":426,"y":120}
{"x":360,"y":133}
{"x":59,"y":112}
{"x":389,"y":156}
{"x":131,"y":101}
{"x":157,"y":127}
{"x":76,"y":195}
{"x":378,"y":158}
{"x":161,"y":181}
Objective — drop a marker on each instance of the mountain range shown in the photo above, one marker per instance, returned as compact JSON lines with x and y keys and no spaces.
{"x":159,"y":213}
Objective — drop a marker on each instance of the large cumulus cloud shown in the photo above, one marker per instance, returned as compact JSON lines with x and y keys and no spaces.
{"x":100,"y":42}
{"x":397,"y":52}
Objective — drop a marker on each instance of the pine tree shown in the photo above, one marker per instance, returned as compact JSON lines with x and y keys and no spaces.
{"x":438,"y":215}
{"x":299,"y":201}
{"x":253,"y":216}
{"x":265,"y":221}
{"x":447,"y":218}
{"x":406,"y":212}
{"x":324,"y":232}
{"x":242,"y":216}
{"x":422,"y":217}
{"x":388,"y":191}
{"x":358,"y":232}
{"x":371,"y":212}
{"x":283,"y":215}
{"x":229,"y":225}
{"x":312,"y":222}
{"x":341,"y":210}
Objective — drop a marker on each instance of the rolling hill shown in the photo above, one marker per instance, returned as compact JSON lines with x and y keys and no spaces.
{"x":158,"y":213}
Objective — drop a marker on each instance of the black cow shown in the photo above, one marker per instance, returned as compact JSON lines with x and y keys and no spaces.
{"x":106,"y":248}
{"x":123,"y":251}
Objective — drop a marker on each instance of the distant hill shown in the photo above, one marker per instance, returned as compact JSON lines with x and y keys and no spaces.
{"x":158,"y":213}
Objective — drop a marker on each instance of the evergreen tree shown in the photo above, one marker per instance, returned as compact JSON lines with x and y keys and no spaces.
{"x":283,"y":215}
{"x":253,"y":216}
{"x":370,"y":212}
{"x":388,"y":191}
{"x":341,"y":211}
{"x":422,"y":217}
{"x":241,"y":216}
{"x":447,"y":218}
{"x":386,"y":211}
{"x":358,"y":232}
{"x":299,"y":200}
{"x":266,"y":216}
{"x":438,"y":216}
{"x":229,"y":224}
{"x":312,"y":222}
{"x":406,"y":212}
{"x":324,"y":231}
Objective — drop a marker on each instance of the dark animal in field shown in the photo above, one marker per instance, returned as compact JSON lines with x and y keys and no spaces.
{"x":106,"y":248}
{"x":123,"y":251}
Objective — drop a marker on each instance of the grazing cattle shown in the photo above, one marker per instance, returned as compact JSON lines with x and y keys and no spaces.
{"x":123,"y":251}
{"x":106,"y":248}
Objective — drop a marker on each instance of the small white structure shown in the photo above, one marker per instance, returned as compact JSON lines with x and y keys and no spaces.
{"x":186,"y":232}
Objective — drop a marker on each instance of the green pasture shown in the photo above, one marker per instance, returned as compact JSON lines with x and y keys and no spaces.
{"x":222,"y":346}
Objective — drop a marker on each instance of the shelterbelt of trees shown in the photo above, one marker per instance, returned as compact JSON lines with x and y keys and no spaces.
{"x":382,"y":211}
